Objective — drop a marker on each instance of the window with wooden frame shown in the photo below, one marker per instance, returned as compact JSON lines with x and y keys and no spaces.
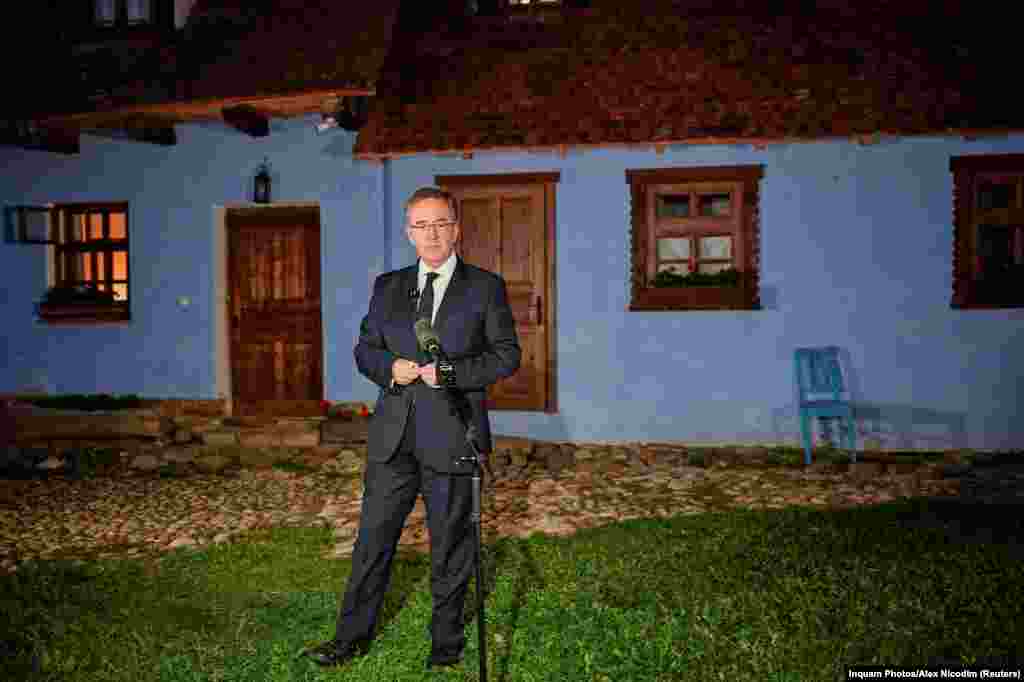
{"x":988,"y":226}
{"x":88,"y":258}
{"x":695,"y":238}
{"x":91,"y":23}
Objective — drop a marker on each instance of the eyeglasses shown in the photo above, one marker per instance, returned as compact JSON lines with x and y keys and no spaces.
{"x":440,"y":226}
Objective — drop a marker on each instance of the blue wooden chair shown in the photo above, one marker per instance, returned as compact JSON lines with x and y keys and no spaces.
{"x":819,"y":382}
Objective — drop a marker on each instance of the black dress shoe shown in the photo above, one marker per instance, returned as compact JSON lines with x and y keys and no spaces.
{"x":333,"y":652}
{"x":443,"y":659}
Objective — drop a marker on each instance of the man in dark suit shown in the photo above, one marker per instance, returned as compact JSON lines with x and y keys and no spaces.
{"x":414,"y":437}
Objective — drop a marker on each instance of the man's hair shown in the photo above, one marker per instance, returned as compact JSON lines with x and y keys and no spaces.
{"x":432,"y":193}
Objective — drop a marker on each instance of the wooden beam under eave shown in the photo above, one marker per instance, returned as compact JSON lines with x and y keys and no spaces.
{"x":58,"y":139}
{"x":209,"y":109}
{"x":248,"y":119}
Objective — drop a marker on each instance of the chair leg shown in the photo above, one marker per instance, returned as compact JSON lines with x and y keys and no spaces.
{"x":851,"y":438}
{"x":805,"y":432}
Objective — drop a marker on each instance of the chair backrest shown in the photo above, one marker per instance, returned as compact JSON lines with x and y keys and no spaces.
{"x":817,"y":372}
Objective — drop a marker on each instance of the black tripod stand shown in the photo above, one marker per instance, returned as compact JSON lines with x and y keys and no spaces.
{"x":460,"y":408}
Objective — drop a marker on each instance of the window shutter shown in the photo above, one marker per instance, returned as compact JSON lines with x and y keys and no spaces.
{"x":30,"y":224}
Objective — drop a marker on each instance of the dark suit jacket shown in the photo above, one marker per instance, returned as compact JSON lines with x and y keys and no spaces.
{"x":478,"y":334}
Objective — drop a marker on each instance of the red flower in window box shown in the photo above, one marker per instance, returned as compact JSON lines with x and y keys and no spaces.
{"x":364,"y":412}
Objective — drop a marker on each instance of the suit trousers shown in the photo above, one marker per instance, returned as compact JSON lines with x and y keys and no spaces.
{"x":389,"y":494}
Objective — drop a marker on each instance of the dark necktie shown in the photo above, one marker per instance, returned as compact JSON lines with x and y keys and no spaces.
{"x":426,"y":309}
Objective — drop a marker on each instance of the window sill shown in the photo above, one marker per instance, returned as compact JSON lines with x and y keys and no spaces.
{"x":978,"y":296}
{"x":83,"y":313}
{"x":693,"y":298}
{"x":981,"y":305}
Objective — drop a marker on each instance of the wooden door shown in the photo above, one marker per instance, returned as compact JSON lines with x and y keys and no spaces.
{"x":507,"y":228}
{"x":274,"y":310}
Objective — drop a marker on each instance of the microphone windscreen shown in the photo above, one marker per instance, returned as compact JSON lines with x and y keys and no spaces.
{"x":425,"y":334}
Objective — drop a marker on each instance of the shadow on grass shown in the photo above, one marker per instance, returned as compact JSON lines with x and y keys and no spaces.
{"x":503,"y":557}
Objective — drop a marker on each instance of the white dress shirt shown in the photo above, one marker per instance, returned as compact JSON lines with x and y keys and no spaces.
{"x":445,"y":272}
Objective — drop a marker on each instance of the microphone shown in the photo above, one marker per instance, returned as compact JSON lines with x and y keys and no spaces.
{"x":428,"y":339}
{"x":430,"y":344}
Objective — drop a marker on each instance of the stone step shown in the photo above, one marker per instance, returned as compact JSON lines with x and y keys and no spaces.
{"x":342,"y":431}
{"x":34,"y":427}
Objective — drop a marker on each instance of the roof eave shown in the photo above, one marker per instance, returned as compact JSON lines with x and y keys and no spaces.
{"x":659,"y":146}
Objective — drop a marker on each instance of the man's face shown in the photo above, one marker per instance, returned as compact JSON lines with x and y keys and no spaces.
{"x":432,"y":230}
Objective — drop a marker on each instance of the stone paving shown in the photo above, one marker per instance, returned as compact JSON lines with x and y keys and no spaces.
{"x":557,"y":492}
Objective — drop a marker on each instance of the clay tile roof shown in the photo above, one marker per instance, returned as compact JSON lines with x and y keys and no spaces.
{"x":292,"y":46}
{"x":612,"y":74}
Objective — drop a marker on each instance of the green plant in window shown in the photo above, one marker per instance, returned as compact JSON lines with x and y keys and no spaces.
{"x":725,"y":278}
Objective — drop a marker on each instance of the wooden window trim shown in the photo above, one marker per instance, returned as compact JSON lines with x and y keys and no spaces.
{"x":967,"y":171}
{"x":120,"y":311}
{"x":643,"y":185}
{"x":499,"y":179}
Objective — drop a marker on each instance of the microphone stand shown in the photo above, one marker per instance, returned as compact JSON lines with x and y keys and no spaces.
{"x":460,"y":408}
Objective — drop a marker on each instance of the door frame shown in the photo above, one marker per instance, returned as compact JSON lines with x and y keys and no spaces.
{"x":549,"y":180}
{"x":220,"y":290}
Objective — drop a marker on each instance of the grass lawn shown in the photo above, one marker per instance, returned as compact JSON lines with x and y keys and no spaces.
{"x":786,"y":595}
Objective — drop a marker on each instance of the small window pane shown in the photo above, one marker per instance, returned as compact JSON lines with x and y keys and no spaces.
{"x":77,"y":228}
{"x":121,"y":292}
{"x":715,"y":205}
{"x":673,"y":205}
{"x":105,"y":11}
{"x":138,"y":10}
{"x":995,"y":247}
{"x":716,"y":247}
{"x":95,"y":226}
{"x":101,"y":266}
{"x":118,"y":226}
{"x":712,"y":268}
{"x":993,"y":195}
{"x":673,"y":248}
{"x":120,"y":265}
{"x":83,"y":267}
{"x":69,"y":268}
{"x":678,"y":268}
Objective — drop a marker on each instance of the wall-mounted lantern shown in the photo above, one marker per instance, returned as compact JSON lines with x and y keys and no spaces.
{"x":261,"y":184}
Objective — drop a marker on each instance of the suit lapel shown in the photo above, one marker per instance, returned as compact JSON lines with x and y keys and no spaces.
{"x":454,"y":295}
{"x":409,"y":289}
